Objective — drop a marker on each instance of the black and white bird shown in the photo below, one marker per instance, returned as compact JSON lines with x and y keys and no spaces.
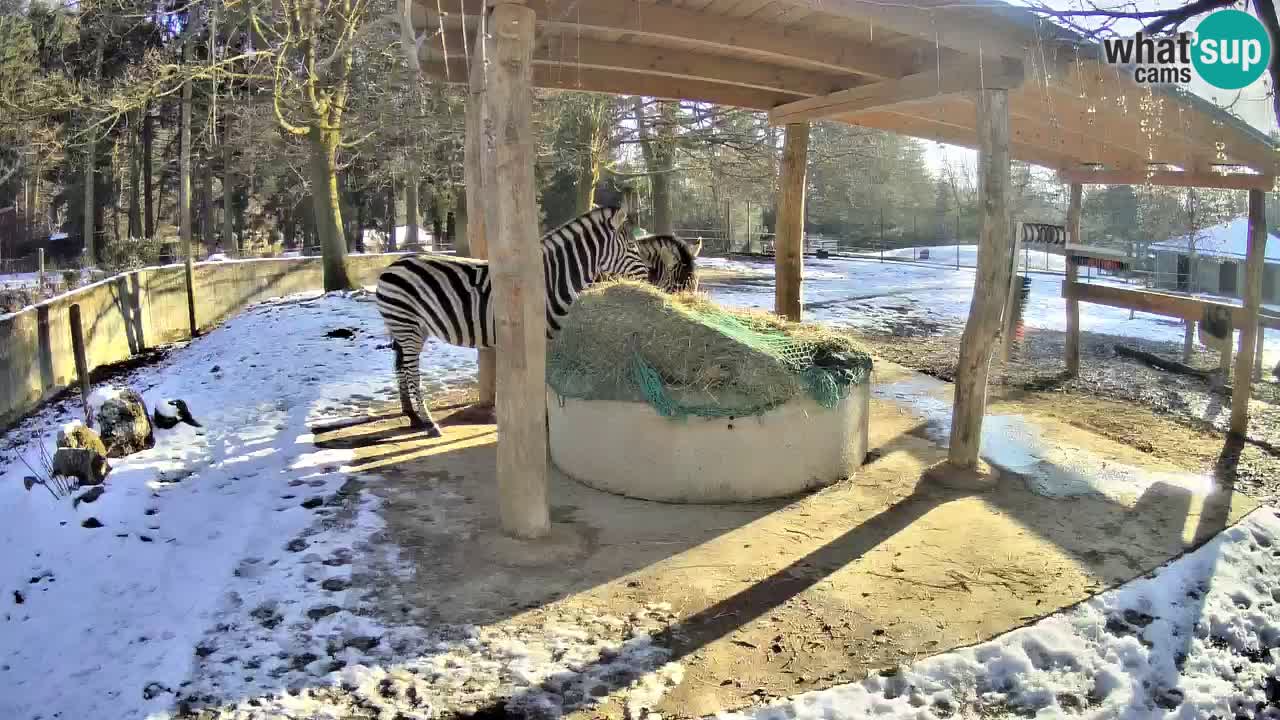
{"x":168,"y":413}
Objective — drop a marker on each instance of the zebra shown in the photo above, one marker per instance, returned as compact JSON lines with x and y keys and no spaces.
{"x":671,"y":262}
{"x":450,"y":298}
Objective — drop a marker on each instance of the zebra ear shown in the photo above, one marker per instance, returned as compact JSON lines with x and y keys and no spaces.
{"x":695,"y":249}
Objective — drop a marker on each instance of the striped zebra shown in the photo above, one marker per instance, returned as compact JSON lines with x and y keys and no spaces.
{"x":671,"y":261}
{"x":449,"y":298}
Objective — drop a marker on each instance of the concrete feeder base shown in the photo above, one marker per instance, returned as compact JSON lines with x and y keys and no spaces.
{"x":628,"y":449}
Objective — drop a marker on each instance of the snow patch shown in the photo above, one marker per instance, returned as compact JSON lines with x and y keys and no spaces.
{"x":1199,"y":638}
{"x":101,"y":395}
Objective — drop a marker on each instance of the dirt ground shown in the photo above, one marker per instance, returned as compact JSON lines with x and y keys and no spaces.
{"x":1174,"y":417}
{"x":769,"y":599}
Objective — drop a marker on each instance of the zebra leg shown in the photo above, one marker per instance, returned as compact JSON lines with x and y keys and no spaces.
{"x":411,"y":388}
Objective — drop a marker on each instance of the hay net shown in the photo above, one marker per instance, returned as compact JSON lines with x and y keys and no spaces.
{"x":685,"y":355}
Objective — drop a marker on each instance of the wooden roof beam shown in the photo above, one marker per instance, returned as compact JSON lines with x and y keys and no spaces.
{"x":925,"y":86}
{"x":967,"y":27}
{"x":733,"y":34}
{"x":622,"y":82}
{"x":952,"y":132}
{"x":1170,"y":178}
{"x":569,"y":55}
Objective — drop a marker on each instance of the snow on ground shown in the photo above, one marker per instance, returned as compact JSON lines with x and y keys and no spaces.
{"x":19,"y":280}
{"x":222,"y":572}
{"x":946,"y":255}
{"x":102,"y":621}
{"x":230,"y":566}
{"x":1198,"y":639}
{"x":876,"y":297}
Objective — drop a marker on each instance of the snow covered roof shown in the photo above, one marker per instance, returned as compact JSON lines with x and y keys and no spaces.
{"x":1229,"y":239}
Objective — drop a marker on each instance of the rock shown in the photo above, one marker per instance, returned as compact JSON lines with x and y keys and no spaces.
{"x":89,"y":467}
{"x":91,"y":523}
{"x":124,"y":424}
{"x":89,"y":495}
{"x":76,"y":434}
{"x":169,"y":413}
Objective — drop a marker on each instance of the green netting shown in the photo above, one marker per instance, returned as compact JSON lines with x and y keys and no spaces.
{"x":685,"y":355}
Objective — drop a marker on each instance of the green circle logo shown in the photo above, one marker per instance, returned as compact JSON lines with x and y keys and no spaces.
{"x":1232,"y":49}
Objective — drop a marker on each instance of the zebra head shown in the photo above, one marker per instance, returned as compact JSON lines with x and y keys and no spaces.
{"x":617,"y":255}
{"x":670,"y":261}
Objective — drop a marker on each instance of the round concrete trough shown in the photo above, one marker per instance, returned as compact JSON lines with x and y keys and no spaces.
{"x":628,"y":449}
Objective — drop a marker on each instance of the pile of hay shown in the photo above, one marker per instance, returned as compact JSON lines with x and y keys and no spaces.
{"x":686,"y":355}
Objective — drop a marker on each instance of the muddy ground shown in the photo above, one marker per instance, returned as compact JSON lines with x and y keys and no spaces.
{"x":1175,"y":417}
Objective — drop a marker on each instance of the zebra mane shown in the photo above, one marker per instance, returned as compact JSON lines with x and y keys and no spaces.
{"x":603,"y":216}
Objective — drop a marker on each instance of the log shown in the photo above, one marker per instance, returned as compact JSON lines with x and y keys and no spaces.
{"x":1073,"y":305}
{"x":519,"y":284}
{"x":991,"y":283}
{"x":1158,"y":362}
{"x":789,"y":242}
{"x":1252,"y":303}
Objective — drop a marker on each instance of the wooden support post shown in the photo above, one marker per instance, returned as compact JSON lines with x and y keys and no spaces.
{"x":1072,"y":351}
{"x":788,"y":243}
{"x":1224,"y":357}
{"x":82,"y":361}
{"x":990,"y":282}
{"x":1188,"y":340}
{"x":40,"y":259}
{"x":477,"y":190}
{"x":519,"y":285}
{"x":1257,"y":358}
{"x":1249,"y":331}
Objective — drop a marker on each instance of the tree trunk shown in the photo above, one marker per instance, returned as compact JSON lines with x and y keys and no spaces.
{"x":90,"y":204}
{"x":328,"y":212}
{"x":33,"y":203}
{"x":206,"y":209}
{"x":591,"y":141}
{"x":390,"y":244}
{"x":411,"y":211}
{"x":149,"y":208}
{"x":90,"y":176}
{"x":658,"y":149}
{"x":458,"y":231}
{"x":359,"y":229}
{"x":184,"y":187}
{"x":135,"y":184}
{"x":437,"y":220}
{"x":290,"y":228}
{"x":228,"y":215}
{"x":586,"y":188}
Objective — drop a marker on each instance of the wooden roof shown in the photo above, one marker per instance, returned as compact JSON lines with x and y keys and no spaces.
{"x":908,"y":66}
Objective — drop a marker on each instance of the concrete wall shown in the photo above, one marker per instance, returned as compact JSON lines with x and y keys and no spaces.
{"x":127,"y":313}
